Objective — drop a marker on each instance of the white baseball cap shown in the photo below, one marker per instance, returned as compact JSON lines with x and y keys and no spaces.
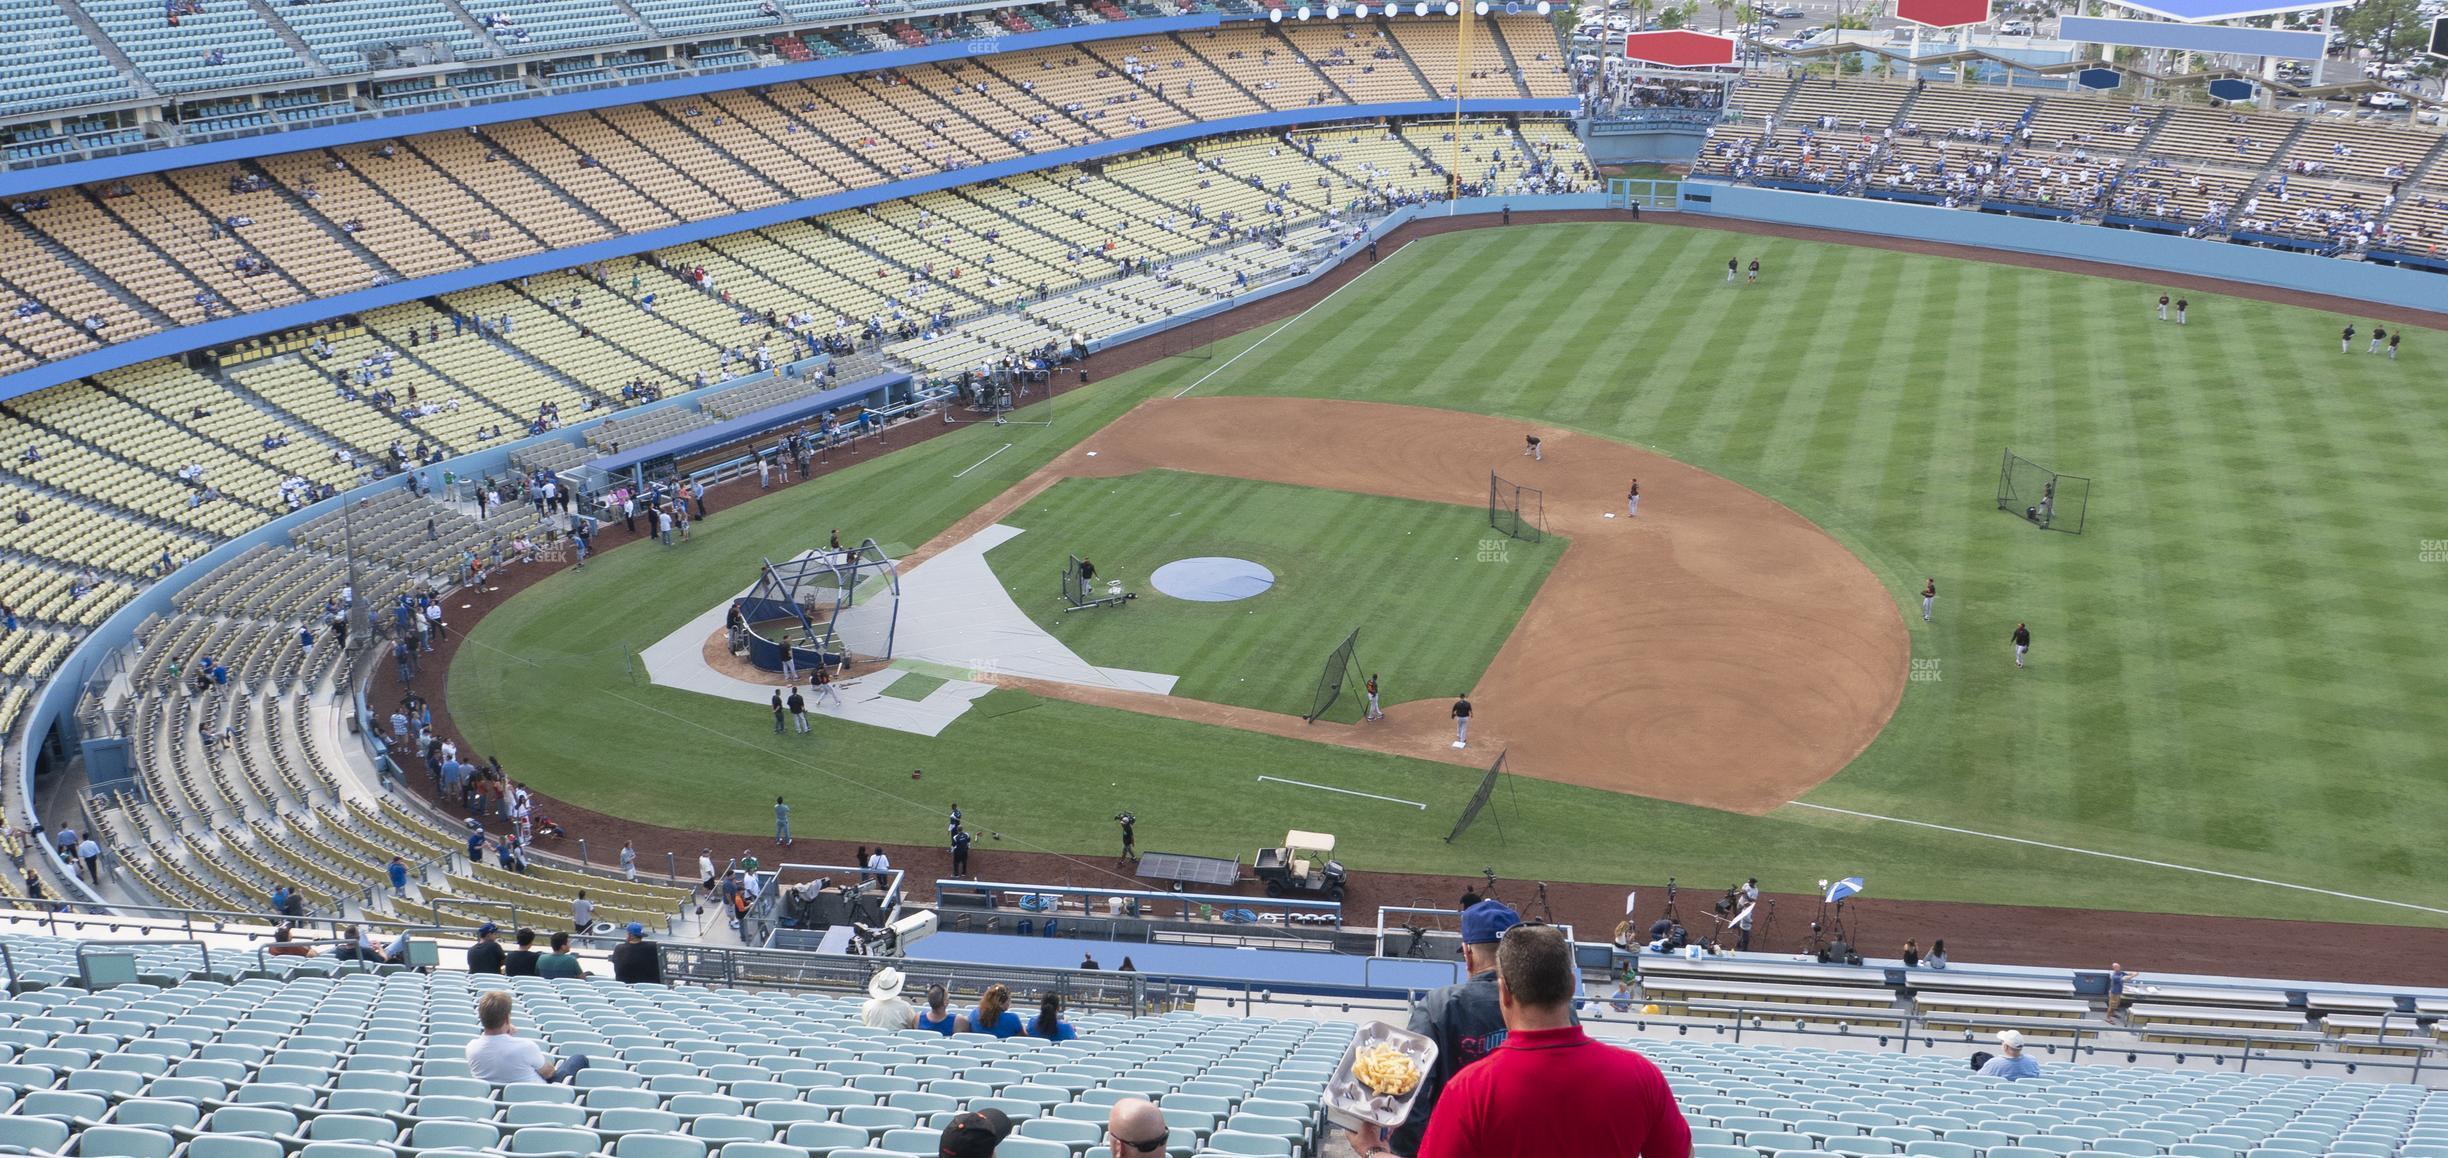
{"x":2010,"y":1038}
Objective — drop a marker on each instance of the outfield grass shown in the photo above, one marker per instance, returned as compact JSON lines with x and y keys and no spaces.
{"x":1409,"y":576}
{"x":2234,"y":668}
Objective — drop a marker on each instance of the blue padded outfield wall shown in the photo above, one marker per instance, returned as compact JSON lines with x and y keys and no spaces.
{"x":2162,"y":252}
{"x":171,"y":343}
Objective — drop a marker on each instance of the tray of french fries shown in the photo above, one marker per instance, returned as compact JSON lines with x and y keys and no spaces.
{"x":1379,"y":1076}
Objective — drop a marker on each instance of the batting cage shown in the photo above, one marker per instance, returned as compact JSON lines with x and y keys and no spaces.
{"x":2042,"y":497}
{"x":1342,"y":667}
{"x":1515,"y":510}
{"x":824,"y":606}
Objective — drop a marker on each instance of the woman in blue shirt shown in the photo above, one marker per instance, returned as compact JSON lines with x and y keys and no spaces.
{"x":935,"y":1016}
{"x":993,"y":1014}
{"x":1049,"y":1024}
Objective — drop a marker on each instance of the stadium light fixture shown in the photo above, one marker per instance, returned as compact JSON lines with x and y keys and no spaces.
{"x":1334,"y":12}
{"x":1303,"y":13}
{"x":1274,"y":15}
{"x":1452,"y":9}
{"x":1480,"y":8}
{"x":1420,"y":9}
{"x":1544,"y":7}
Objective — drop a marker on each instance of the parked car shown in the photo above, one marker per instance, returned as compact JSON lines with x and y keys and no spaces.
{"x":2015,"y":28}
{"x":2387,"y":100}
{"x":1789,"y":12}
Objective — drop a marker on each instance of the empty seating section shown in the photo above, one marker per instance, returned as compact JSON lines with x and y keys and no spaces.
{"x":47,"y":62}
{"x":1264,"y":62}
{"x":338,"y":29}
{"x":210,"y":45}
{"x":1174,"y":72}
{"x":258,"y":1056}
{"x":1433,"y":48}
{"x":537,"y":25}
{"x":591,"y":180}
{"x":245,"y":236}
{"x":692,"y":17}
{"x":1364,"y":61}
{"x":340,"y":195}
{"x":1537,"y":55}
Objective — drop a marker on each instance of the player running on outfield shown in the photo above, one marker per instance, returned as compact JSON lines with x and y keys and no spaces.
{"x":2163,"y":307}
{"x":1732,"y":264}
{"x":1754,"y":270}
{"x":2180,"y":311}
{"x":2346,"y":340}
{"x":2022,"y":642}
{"x":1374,"y":713}
{"x":1929,"y":597}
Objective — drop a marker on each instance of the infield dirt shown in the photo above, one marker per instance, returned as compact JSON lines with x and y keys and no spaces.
{"x":1718,"y":650}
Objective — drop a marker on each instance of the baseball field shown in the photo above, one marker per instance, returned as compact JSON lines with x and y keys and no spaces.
{"x":2233,"y":688}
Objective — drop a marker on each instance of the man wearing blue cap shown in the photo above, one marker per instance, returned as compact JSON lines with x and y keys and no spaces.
{"x":1466,"y":1020}
{"x":636,"y":960}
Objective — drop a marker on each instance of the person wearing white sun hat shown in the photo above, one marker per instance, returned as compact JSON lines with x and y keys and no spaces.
{"x":2012,"y":1065}
{"x":884,"y":1008}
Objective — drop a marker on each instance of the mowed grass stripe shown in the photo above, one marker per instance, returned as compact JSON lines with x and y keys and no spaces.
{"x":2178,"y":736}
{"x":1408,"y":575}
{"x":2137,"y":613}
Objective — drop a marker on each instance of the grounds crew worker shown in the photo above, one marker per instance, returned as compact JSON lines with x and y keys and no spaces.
{"x":1467,"y":1021}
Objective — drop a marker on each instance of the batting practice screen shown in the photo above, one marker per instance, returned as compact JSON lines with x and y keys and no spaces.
{"x":2042,"y":497}
{"x":1331,"y":679}
{"x":1514,"y":510}
{"x":1479,"y":799}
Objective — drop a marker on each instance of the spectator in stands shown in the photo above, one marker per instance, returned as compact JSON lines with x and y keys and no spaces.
{"x":582,"y":913}
{"x":355,"y":946}
{"x":884,"y":1008}
{"x":1936,"y":958}
{"x":993,"y":1014}
{"x":2011,"y":1066}
{"x":1912,"y":953}
{"x":485,"y":956}
{"x":521,"y":962}
{"x":974,"y":1134}
{"x":636,"y":961}
{"x":397,"y":870}
{"x":936,"y":1017}
{"x":560,"y":962}
{"x":1136,"y":1127}
{"x":282,"y":946}
{"x":1049,"y":1023}
{"x":500,"y":1056}
{"x":1549,"y":1088}
{"x":1467,"y":1021}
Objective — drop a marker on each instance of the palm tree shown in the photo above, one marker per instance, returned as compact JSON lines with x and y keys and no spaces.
{"x":1722,"y":7}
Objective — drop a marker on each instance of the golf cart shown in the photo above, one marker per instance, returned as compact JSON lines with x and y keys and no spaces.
{"x":1300,"y":866}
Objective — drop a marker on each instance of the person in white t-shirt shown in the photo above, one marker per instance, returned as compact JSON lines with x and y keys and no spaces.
{"x":501,"y":1057}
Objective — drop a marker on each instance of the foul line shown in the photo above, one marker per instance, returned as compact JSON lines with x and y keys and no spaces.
{"x":1288,"y":324}
{"x":1345,"y":791}
{"x":2182,"y":868}
{"x":983,"y":461}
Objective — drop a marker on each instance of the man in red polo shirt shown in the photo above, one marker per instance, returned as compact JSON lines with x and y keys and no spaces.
{"x":1551,"y":1089}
